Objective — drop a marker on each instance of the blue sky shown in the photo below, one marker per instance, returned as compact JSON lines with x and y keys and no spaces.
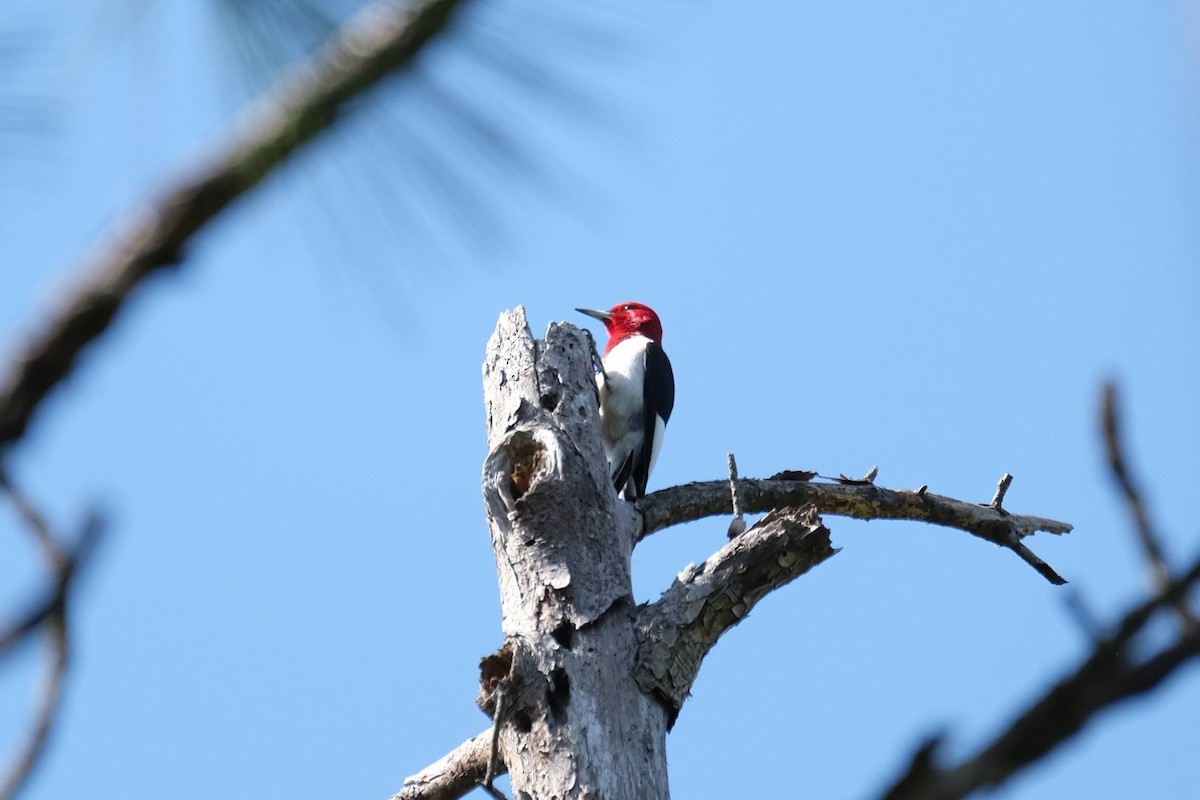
{"x":917,"y":237}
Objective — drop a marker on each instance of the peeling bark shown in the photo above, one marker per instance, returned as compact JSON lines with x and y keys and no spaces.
{"x":706,"y":600}
{"x":574,"y":721}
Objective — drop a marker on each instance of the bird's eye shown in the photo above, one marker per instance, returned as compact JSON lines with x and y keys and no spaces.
{"x":627,"y":308}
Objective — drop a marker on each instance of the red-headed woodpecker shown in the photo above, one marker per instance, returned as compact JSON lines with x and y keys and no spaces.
{"x":637,"y":393}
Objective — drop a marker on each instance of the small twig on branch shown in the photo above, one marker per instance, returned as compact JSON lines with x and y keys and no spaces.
{"x":382,"y":38}
{"x":738,"y":525}
{"x":454,"y":775}
{"x":693,"y":501}
{"x":1107,"y":677}
{"x":494,"y":754}
{"x":49,"y":699}
{"x":55,"y":596}
{"x":867,"y":479}
{"x":1031,"y":558}
{"x":1160,"y":571}
{"x":1001,"y":490}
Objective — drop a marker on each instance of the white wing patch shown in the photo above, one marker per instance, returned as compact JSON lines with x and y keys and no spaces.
{"x":660,"y":430}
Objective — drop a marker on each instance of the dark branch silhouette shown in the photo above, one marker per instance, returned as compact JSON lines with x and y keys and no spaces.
{"x":381,"y":39}
{"x":1109,"y":675}
{"x":49,"y":615}
{"x":678,"y":630}
{"x":1144,"y":531}
{"x":1112,"y":673}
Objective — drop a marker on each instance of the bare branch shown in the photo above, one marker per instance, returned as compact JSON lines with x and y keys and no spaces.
{"x":1107,"y":677}
{"x":49,"y":614}
{"x":49,"y":698}
{"x":1031,"y":558}
{"x":35,"y":523}
{"x":454,"y":775}
{"x":34,"y":617}
{"x":385,"y":37}
{"x":1160,"y":571}
{"x":48,"y":604}
{"x":694,"y":501}
{"x":1114,"y":449}
{"x":706,"y":600}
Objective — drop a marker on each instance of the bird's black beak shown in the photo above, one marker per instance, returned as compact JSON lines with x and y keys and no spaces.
{"x":603,"y":316}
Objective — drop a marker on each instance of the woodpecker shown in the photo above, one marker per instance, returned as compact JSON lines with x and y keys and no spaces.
{"x":637,"y":393}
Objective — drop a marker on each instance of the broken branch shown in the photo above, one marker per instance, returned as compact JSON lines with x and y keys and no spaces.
{"x":453,"y":775}
{"x":706,"y":600}
{"x":1001,"y":490}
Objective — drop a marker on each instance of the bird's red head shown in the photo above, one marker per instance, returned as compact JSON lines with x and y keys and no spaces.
{"x":627,"y":319}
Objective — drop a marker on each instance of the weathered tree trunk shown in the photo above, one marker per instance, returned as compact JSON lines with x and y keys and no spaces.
{"x":573,"y":720}
{"x":586,"y":684}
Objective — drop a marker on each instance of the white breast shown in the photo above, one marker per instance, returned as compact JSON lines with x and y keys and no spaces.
{"x":622,"y":399}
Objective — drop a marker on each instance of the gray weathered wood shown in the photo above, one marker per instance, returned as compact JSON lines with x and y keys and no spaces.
{"x":586,"y":685}
{"x":709,"y":599}
{"x":452,"y":775}
{"x":575,"y":723}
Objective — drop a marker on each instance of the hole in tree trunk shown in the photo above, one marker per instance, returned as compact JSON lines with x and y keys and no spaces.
{"x":524,"y":460}
{"x":559,"y":694}
{"x":563,"y":634}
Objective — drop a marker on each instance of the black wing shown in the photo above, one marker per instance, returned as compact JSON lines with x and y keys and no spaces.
{"x":658,"y":394}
